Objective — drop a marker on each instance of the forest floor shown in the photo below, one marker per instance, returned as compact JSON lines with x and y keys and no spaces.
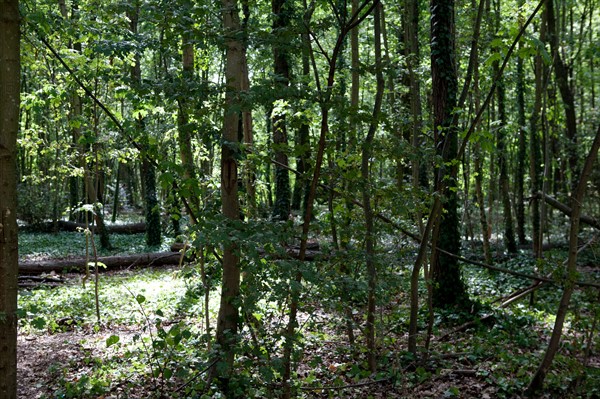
{"x":64,"y":353}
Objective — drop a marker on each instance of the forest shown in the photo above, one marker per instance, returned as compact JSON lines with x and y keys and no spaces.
{"x":299,"y":199}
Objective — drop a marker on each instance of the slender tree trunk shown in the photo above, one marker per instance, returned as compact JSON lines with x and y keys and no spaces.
{"x":247,"y":125}
{"x":592,"y":63}
{"x":535,"y":146}
{"x":153,"y":228}
{"x":561,"y":74}
{"x":302,"y":185}
{"x":355,"y":82}
{"x":577,"y":198}
{"x":228,"y":319}
{"x":478,"y":166}
{"x":478,"y":163}
{"x":281,"y":16}
{"x":184,"y":128}
{"x":412,"y":53}
{"x":366,"y":194}
{"x":325,"y":106}
{"x":94,"y":185}
{"x":503,"y":183}
{"x":522,"y":149}
{"x":10,"y":76}
{"x":117,"y":193}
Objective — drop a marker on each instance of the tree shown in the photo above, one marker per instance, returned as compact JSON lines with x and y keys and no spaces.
{"x":228,"y":319}
{"x":370,"y":240}
{"x":537,"y":381}
{"x":281,"y":16}
{"x":152,"y":207}
{"x":503,"y":183}
{"x":10,"y":75}
{"x":448,"y":287}
{"x":561,"y":74}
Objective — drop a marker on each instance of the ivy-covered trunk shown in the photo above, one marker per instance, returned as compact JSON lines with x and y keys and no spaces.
{"x":448,"y":287}
{"x":9,"y":125}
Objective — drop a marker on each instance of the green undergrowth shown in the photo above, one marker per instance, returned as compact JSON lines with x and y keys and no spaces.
{"x":152,"y":334}
{"x":72,"y":305}
{"x":72,"y":244}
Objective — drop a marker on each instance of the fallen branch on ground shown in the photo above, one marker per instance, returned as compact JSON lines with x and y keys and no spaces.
{"x":554,"y":203}
{"x":111,"y":262}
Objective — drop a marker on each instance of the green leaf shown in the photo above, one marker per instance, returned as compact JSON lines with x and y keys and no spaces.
{"x":38,"y":323}
{"x":140,"y":299}
{"x":113,"y":339}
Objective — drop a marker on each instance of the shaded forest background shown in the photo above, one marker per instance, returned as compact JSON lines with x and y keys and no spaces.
{"x":401,"y":140}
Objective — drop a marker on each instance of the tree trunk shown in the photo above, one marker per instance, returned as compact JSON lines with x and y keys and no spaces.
{"x":302,"y":183}
{"x":478,"y":158}
{"x":247,"y":125}
{"x":503,"y":183}
{"x":535,"y":147}
{"x":326,"y":94}
{"x":561,"y":74}
{"x":281,"y":16}
{"x":577,"y":198}
{"x":10,"y":75}
{"x":412,"y":53}
{"x":370,"y":239}
{"x":184,"y":127}
{"x":448,"y":287}
{"x":522,"y":149}
{"x":228,"y":319}
{"x":148,"y":170}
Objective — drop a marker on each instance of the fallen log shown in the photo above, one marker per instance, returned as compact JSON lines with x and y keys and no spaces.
{"x":590,"y":221}
{"x":108,"y":263}
{"x":65,"y":225}
{"x":312,"y":253}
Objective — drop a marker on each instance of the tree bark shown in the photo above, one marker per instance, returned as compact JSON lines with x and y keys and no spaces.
{"x":10,"y":71}
{"x":184,"y":128}
{"x":535,"y":146}
{"x":561,"y":74}
{"x":522,"y":149}
{"x":448,"y":287}
{"x":503,"y":183}
{"x":281,"y":67}
{"x":370,"y":238}
{"x":228,"y":319}
{"x":247,"y":124}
